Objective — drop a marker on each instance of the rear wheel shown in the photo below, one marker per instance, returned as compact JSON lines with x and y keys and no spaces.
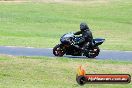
{"x":58,"y":51}
{"x":93,"y":53}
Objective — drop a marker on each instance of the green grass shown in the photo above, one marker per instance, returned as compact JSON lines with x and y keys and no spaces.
{"x":42,"y":24}
{"x":43,"y":72}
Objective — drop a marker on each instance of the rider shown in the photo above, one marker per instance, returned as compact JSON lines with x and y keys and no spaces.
{"x":86,"y":38}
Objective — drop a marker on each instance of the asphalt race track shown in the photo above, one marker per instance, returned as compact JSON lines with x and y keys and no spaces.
{"x":27,"y":51}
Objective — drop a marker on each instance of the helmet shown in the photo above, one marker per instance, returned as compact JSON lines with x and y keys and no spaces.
{"x":83,"y":27}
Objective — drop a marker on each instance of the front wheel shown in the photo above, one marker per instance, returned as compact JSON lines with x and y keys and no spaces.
{"x":58,"y":51}
{"x":93,"y":53}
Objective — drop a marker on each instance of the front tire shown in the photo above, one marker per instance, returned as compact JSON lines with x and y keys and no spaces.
{"x":93,"y":53}
{"x":58,"y":51}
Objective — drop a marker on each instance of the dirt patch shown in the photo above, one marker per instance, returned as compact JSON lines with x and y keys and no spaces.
{"x":57,"y":1}
{"x":73,"y":1}
{"x":14,"y":1}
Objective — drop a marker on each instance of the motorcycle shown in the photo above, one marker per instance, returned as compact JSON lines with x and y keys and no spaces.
{"x":68,"y":47}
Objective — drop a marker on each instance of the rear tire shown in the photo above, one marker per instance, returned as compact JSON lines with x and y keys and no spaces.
{"x":58,"y":51}
{"x":93,"y":53}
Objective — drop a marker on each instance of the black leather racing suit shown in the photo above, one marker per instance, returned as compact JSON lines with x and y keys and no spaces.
{"x":86,"y":37}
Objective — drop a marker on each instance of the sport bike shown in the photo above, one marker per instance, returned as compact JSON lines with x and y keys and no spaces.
{"x":68,"y":46}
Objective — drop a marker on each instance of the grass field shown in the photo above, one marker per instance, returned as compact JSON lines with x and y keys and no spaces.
{"x":37,"y":24}
{"x":43,"y":72}
{"x":40,"y":23}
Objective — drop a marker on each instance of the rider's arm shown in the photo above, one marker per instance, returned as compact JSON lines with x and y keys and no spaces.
{"x":78,"y":33}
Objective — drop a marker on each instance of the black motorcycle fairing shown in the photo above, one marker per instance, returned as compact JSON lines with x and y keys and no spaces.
{"x":72,"y":50}
{"x":67,"y":38}
{"x":77,"y":39}
{"x":66,"y":41}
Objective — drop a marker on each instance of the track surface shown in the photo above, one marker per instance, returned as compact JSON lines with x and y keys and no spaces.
{"x":25,"y":51}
